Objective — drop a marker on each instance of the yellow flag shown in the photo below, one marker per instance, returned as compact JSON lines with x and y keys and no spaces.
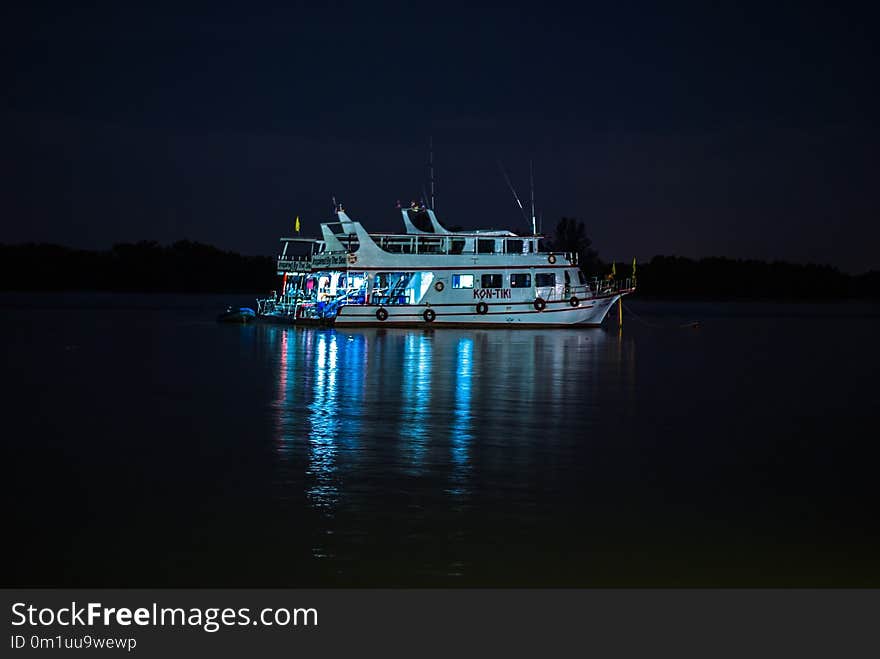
{"x":614,"y":268}
{"x":296,"y":226}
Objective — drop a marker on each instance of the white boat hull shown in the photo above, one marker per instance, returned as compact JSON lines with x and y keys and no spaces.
{"x":589,"y":313}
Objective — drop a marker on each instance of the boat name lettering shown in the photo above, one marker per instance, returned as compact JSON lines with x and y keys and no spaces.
{"x":492,"y":293}
{"x":323,"y":260}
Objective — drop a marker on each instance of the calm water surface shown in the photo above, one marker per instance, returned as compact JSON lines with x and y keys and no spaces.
{"x":145,"y":444}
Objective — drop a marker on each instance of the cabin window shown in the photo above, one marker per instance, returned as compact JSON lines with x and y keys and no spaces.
{"x":582,"y":278}
{"x":567,"y":278}
{"x":520,"y":280}
{"x":545,"y":279}
{"x":462,"y":281}
{"x":485,"y":246}
{"x":456,"y":246}
{"x":490,"y":281}
{"x":514,"y":246}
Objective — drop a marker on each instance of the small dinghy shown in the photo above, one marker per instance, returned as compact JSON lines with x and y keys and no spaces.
{"x":237,"y":315}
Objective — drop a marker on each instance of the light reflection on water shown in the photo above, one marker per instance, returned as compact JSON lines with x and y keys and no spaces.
{"x":413,"y":404}
{"x":739,"y":453}
{"x":460,"y":429}
{"x":414,"y":400}
{"x":736,"y":454}
{"x":404,"y":427}
{"x":325,"y":424}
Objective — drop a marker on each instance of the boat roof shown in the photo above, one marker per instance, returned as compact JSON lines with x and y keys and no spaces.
{"x":416,"y":221}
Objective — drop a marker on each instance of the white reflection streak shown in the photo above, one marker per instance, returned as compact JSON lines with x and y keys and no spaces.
{"x":324,"y":425}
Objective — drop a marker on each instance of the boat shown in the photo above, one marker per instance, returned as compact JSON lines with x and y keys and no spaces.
{"x":237,"y":315}
{"x":431,"y":276}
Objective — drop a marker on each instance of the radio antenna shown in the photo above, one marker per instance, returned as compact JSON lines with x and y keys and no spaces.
{"x":431,"y":167}
{"x":510,"y":185}
{"x":532,"y":196}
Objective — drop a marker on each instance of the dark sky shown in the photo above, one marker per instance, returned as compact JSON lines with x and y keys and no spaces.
{"x":695,"y":129}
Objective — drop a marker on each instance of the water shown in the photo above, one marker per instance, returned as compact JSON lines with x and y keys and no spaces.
{"x":148,"y":445}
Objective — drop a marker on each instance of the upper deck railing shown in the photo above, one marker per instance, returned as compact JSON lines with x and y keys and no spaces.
{"x":458,"y":243}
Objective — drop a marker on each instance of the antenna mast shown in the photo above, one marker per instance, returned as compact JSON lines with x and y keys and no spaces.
{"x":510,"y":185}
{"x":532,"y":195}
{"x":431,"y":167}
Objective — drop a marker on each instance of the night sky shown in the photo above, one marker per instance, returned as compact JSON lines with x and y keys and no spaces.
{"x":691,"y":129}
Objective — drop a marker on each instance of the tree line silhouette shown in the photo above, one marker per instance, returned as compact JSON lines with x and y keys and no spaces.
{"x":192,"y":267}
{"x":146,"y":266}
{"x":716,"y":277}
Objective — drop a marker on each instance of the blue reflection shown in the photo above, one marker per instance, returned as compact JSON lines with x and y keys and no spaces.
{"x":354,"y":354}
{"x":461,"y":435}
{"x":415,"y":401}
{"x":355,"y":410}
